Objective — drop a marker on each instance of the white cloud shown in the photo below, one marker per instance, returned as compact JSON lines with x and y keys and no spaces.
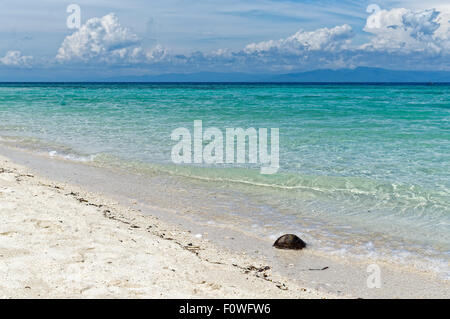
{"x":100,"y":39}
{"x":397,"y":30}
{"x":16,"y":59}
{"x":158,"y":53}
{"x":399,"y":38}
{"x":104,"y":40}
{"x":321,"y":39}
{"x":406,"y":31}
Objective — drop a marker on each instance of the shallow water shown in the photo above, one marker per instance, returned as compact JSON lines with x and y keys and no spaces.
{"x":365,"y":169}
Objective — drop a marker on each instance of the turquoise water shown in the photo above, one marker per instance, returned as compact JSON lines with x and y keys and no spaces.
{"x":374,"y":159}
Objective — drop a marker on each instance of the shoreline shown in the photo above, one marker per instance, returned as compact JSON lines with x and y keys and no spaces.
{"x":59,"y":241}
{"x":240,"y":275}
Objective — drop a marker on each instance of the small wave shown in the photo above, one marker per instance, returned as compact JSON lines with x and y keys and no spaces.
{"x":325,"y":185}
{"x":72,"y":157}
{"x":46,"y":148}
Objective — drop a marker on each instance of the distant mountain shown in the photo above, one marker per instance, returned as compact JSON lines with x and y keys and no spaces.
{"x":364,"y":74}
{"x":360,"y":74}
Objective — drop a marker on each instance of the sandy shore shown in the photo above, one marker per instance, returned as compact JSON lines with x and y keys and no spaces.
{"x":58,"y":241}
{"x":70,"y":230}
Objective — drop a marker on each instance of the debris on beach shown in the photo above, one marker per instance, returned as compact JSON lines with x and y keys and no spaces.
{"x":289,"y":241}
{"x":323,"y":268}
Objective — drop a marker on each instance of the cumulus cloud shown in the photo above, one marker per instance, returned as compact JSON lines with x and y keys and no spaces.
{"x":100,"y":40}
{"x":322,"y":47}
{"x":105,"y":40}
{"x":16,"y":59}
{"x":397,"y":30}
{"x":400,"y":38}
{"x":158,"y":53}
{"x":321,"y":39}
{"x":405,"y":30}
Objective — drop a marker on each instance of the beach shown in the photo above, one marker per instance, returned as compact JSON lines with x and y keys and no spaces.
{"x":58,"y":241}
{"x":61,"y":240}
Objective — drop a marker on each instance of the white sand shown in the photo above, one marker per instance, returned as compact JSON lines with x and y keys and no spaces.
{"x":60,"y":240}
{"x":57,"y":241}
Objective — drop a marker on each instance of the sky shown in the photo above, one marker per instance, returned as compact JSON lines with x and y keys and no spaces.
{"x":43,"y":39}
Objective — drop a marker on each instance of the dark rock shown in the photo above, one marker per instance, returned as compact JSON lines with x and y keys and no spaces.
{"x":289,"y":241}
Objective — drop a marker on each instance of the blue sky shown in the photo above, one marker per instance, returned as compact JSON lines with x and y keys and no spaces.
{"x":138,"y":37}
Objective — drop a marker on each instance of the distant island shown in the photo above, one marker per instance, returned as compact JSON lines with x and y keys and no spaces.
{"x":356,"y":75}
{"x":360,"y":74}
